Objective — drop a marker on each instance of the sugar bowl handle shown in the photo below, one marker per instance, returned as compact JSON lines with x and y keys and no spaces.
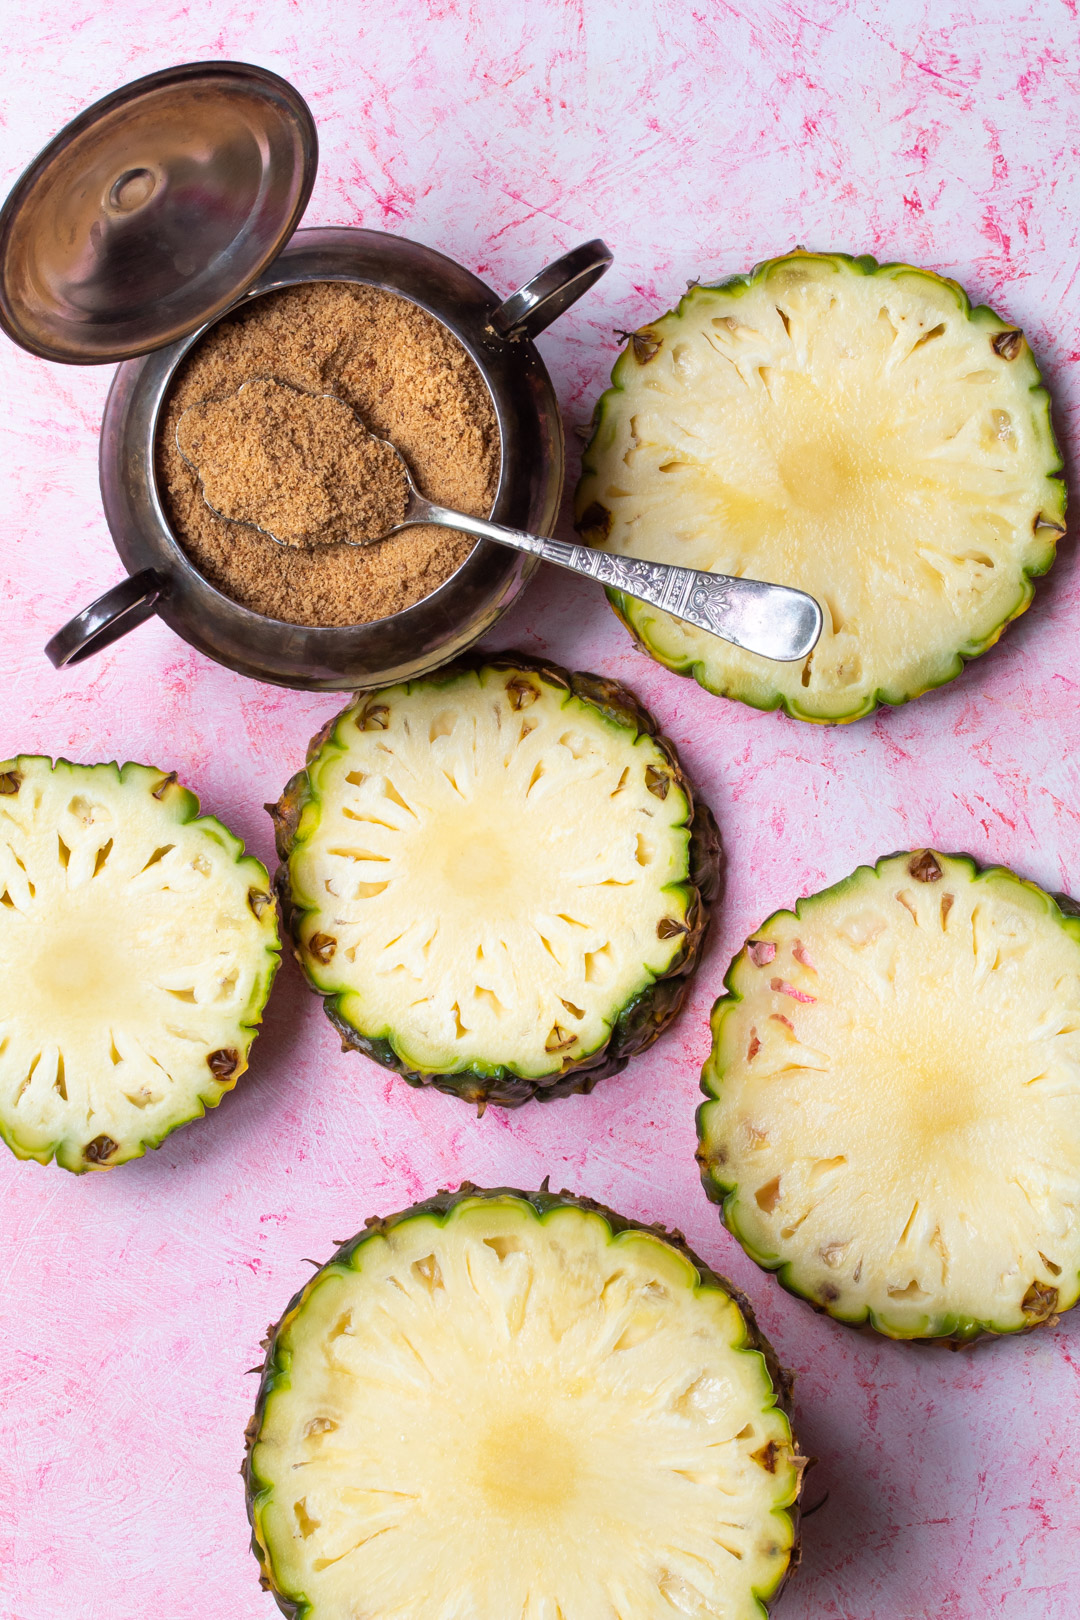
{"x":551,"y":291}
{"x":128,"y":604}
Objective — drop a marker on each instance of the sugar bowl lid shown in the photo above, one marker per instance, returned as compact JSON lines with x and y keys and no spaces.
{"x":153,"y":210}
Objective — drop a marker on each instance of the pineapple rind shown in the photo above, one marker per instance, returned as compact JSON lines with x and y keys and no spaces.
{"x":687,"y":1271}
{"x":649,"y":626}
{"x":629,"y":1027}
{"x":180,"y":807}
{"x":726,"y":1188}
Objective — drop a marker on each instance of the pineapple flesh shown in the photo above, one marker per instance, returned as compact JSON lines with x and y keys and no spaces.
{"x":138,"y":945}
{"x":893,"y":1123}
{"x":507,"y":1404}
{"x":496,"y":876}
{"x":855,"y":430}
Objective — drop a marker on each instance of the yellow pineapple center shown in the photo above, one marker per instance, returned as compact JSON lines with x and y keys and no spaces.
{"x":82,"y":971}
{"x":482,"y":857}
{"x":817,"y":473}
{"x":945,"y":1098}
{"x":526,"y":1464}
{"x":826,"y":448}
{"x":934,"y":1088}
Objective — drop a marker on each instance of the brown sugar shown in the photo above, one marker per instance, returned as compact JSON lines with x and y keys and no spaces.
{"x":301,"y":467}
{"x":408,"y":379}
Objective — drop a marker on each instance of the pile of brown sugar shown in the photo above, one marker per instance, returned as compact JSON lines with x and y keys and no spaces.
{"x":408,"y":379}
{"x":301,"y":467}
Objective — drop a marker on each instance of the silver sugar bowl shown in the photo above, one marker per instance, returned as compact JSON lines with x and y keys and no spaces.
{"x":152,"y":215}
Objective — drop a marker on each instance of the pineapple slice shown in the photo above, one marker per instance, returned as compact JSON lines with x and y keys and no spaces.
{"x":855,"y":430}
{"x":894,"y":1123}
{"x":497,"y":877}
{"x":138,"y":945}
{"x":515,"y":1404}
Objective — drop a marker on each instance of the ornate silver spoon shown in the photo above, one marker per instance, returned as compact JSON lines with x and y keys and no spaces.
{"x":771,"y":620}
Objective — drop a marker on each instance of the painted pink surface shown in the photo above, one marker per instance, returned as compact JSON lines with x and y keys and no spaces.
{"x":695,"y":142}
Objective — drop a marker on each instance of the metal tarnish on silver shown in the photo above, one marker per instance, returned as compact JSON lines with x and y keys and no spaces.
{"x":153,"y":211}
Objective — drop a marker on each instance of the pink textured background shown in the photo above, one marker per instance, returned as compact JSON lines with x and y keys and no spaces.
{"x":696,"y":140}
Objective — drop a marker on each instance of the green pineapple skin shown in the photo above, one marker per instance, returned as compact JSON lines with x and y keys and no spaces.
{"x":629,"y":610}
{"x":951,"y":1330}
{"x":276,"y":1367}
{"x":640,"y":1021}
{"x":184,"y":806}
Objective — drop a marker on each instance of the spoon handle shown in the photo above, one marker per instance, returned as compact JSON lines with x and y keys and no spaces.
{"x":772,"y":620}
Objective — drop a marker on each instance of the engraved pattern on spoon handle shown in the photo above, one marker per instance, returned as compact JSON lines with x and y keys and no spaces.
{"x":772,"y":620}
{"x":701,"y":599}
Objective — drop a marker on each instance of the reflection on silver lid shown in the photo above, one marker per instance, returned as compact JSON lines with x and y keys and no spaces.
{"x":153,"y":210}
